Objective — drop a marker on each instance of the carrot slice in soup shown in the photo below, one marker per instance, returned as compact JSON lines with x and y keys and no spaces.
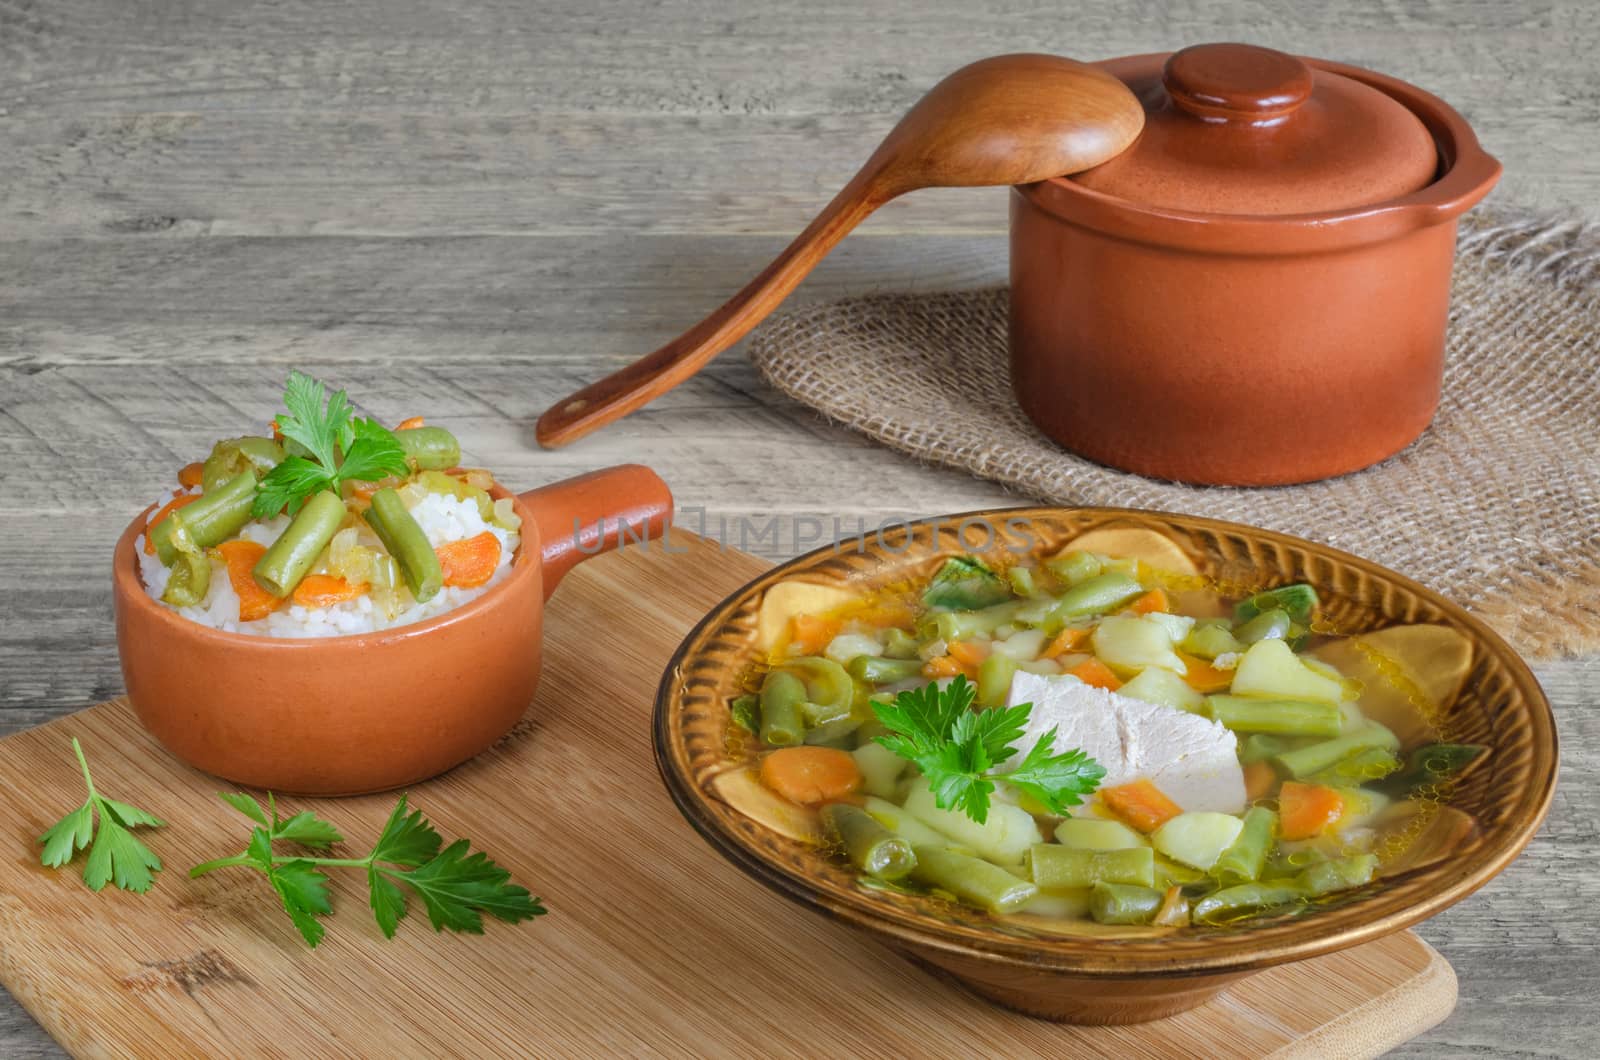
{"x":191,"y":475}
{"x":1096,"y":673}
{"x":809,"y":633}
{"x":969,"y":653}
{"x":241,"y":558}
{"x":325,"y":590}
{"x":809,"y":775}
{"x":410,"y":423}
{"x":1306,"y":810}
{"x":1258,"y":780}
{"x":1141,"y":804}
{"x":470,"y":562}
{"x":943,"y":666}
{"x":167,"y":509}
{"x":1150,"y":603}
{"x":1202,"y":676}
{"x":1065,"y":641}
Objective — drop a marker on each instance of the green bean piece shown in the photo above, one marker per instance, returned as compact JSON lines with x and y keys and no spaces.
{"x":1374,"y":763}
{"x":450,"y":486}
{"x":1169,"y":873}
{"x":189,"y":581}
{"x":1021,"y":579}
{"x":1260,"y":746}
{"x":898,"y":644}
{"x":1282,"y":717}
{"x":878,"y":671}
{"x":964,"y":625}
{"x":1340,"y":874}
{"x":211,"y":520}
{"x":746,"y":712}
{"x":233,"y":455}
{"x":872,"y":848}
{"x":291,"y":557}
{"x":1210,"y":638}
{"x":829,"y":690}
{"x":1095,"y":595}
{"x":1119,"y":903}
{"x":782,"y":694}
{"x":1247,"y":856}
{"x":1268,"y":625}
{"x":1431,"y":764}
{"x":1304,"y":761}
{"x":1290,"y":863}
{"x":972,"y":880}
{"x":994,"y":679}
{"x":1245,"y":899}
{"x":1074,"y":566}
{"x":1054,"y":867}
{"x":404,"y":540}
{"x":1298,"y":601}
{"x":429,"y":448}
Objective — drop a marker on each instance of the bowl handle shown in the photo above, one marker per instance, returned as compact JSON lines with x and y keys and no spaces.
{"x":594,"y":513}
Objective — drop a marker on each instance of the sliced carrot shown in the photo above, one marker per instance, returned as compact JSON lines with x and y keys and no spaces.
{"x":362,"y":489}
{"x":1141,"y":804}
{"x":277,"y":435}
{"x":325,"y":590}
{"x":241,"y":557}
{"x":809,"y":775}
{"x":943,"y":666}
{"x":1094,"y":672}
{"x":1067,"y":640}
{"x":191,"y":475}
{"x":167,"y":509}
{"x":1258,"y":780}
{"x":410,"y":423}
{"x":969,"y":653}
{"x":1306,"y":810}
{"x":470,"y":562}
{"x":1202,"y":676}
{"x":1151,"y":602}
{"x":810,"y":634}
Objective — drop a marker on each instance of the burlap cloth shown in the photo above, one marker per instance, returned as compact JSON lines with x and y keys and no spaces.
{"x":1497,"y":505}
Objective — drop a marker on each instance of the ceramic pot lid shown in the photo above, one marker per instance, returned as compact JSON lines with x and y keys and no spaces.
{"x":1237,"y":129}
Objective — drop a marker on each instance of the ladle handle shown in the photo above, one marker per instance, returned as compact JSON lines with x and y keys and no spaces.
{"x":632,"y":387}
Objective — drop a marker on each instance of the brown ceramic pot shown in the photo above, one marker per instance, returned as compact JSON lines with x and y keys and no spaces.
{"x":1453,"y":679}
{"x":345,"y":715}
{"x":1255,"y":292}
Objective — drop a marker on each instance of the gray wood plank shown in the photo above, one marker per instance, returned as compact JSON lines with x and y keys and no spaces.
{"x":473,"y":208}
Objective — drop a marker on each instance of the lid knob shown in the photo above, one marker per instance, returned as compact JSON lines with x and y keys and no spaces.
{"x":1236,"y":82}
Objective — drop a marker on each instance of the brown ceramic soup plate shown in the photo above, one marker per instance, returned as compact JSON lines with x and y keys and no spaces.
{"x":1460,"y":681}
{"x":371,"y":711}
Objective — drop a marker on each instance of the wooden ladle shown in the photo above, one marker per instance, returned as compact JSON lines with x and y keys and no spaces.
{"x":1010,"y":119}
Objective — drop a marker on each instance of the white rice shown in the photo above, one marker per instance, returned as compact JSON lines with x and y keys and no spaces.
{"x":443,"y":518}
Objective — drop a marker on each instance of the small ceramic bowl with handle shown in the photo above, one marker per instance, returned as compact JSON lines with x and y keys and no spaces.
{"x":1441,"y":673}
{"x":366,"y":712}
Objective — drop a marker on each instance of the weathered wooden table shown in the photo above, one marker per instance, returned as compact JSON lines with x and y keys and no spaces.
{"x":471,"y":208}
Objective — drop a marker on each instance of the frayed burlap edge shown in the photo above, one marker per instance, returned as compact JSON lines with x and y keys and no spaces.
{"x":1546,"y":602}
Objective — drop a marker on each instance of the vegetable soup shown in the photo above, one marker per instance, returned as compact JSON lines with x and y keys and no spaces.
{"x":1085,"y":738}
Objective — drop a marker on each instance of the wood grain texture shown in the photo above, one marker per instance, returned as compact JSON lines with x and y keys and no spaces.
{"x":650,"y":931}
{"x":479,"y":205}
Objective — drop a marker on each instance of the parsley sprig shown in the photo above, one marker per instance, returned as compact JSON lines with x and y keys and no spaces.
{"x":117,"y":856}
{"x":456,"y":887}
{"x":317,"y":429}
{"x":956,"y":747}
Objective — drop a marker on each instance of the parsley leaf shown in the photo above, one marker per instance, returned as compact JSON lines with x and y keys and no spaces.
{"x":116,"y":855}
{"x":956,"y":748}
{"x":1057,"y":781}
{"x":456,"y":886}
{"x":316,"y":430}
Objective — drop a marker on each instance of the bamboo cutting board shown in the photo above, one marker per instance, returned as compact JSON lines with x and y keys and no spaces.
{"x":654,"y":945}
